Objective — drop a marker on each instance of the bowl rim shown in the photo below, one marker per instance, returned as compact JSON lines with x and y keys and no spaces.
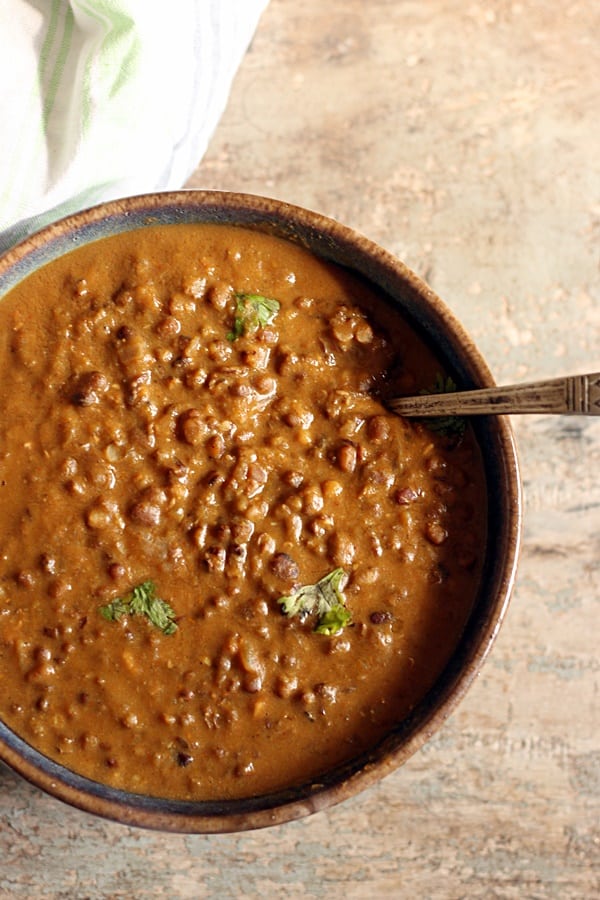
{"x":328,"y":237}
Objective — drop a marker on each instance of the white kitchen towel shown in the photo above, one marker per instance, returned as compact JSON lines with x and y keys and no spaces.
{"x":106,"y":98}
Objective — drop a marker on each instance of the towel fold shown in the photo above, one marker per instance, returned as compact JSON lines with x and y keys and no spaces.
{"x":107,"y":98}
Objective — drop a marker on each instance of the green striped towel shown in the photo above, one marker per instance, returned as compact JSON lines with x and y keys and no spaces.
{"x":106,"y":98}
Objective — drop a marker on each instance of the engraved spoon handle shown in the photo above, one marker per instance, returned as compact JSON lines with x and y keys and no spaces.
{"x":571,"y":395}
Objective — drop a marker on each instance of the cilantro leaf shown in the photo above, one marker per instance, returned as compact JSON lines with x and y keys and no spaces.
{"x":113,"y":611}
{"x":142,"y":601}
{"x":334,"y":620}
{"x":325,"y":599}
{"x":252,"y":311}
{"x":450,"y":426}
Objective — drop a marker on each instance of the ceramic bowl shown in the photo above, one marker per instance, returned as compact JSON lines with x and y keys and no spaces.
{"x":428,"y":315}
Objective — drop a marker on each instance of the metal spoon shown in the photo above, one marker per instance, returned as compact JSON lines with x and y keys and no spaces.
{"x":571,"y":395}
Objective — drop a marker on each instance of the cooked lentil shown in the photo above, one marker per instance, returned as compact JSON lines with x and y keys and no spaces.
{"x":139,"y":443}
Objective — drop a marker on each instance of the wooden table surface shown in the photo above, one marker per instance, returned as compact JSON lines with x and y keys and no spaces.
{"x":464,"y":138}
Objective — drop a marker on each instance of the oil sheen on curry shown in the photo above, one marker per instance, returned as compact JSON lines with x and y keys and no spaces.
{"x":225,"y":566}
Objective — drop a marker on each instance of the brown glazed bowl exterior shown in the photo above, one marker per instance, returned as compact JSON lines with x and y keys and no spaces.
{"x":418,"y":303}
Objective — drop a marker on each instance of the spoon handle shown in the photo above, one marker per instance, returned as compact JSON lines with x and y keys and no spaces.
{"x":571,"y":395}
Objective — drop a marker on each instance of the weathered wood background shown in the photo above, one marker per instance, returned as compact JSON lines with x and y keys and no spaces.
{"x":463,"y":137}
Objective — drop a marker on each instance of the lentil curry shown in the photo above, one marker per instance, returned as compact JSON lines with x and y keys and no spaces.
{"x":225,"y":567}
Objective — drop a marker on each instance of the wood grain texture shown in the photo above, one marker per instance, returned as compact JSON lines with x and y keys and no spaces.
{"x":464,"y":138}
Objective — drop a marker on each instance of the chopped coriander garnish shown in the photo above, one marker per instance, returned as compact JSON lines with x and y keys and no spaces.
{"x":334,"y":620}
{"x":450,"y":426}
{"x":142,"y":601}
{"x":114,"y":610}
{"x":325,"y":598}
{"x":252,"y":311}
